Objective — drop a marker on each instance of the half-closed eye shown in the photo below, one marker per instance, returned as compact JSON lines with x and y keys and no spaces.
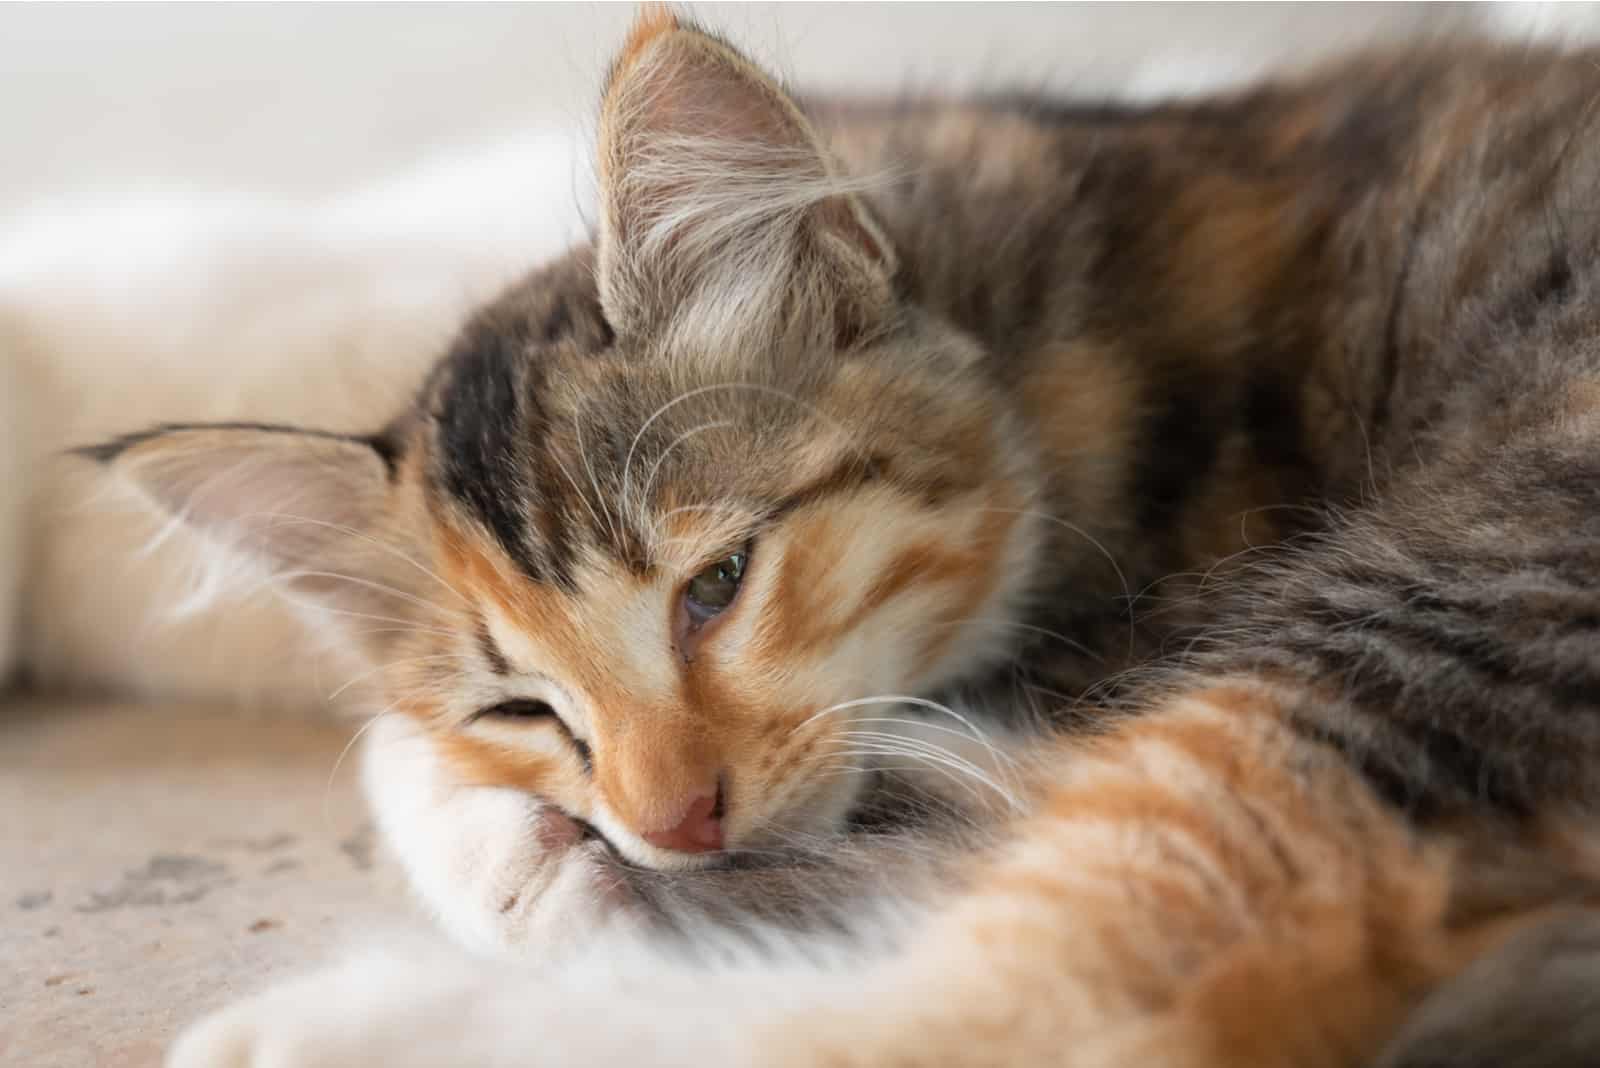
{"x":518,"y":708}
{"x":532,"y":710}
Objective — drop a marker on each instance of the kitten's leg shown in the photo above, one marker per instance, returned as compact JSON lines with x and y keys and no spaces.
{"x":500,"y":870}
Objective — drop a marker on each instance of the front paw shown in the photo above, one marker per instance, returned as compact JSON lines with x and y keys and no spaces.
{"x":411,"y":1007}
{"x":504,"y":873}
{"x":284,"y":1028}
{"x":371,"y":1012}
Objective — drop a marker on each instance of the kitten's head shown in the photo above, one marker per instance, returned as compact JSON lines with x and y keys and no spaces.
{"x":671,"y":505}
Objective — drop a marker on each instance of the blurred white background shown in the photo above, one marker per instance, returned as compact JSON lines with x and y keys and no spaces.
{"x":307,"y":98}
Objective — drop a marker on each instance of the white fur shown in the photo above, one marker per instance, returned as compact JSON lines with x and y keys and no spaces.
{"x":471,"y":852}
{"x":429,"y":1008}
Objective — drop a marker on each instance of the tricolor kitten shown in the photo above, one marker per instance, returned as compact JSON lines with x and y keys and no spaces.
{"x":843,"y":412}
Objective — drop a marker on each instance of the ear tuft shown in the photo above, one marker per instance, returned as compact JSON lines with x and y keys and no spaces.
{"x":724,"y":217}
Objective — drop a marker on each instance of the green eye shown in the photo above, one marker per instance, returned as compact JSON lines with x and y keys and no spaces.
{"x":713,"y":590}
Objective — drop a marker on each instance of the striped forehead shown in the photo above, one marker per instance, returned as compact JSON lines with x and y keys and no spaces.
{"x":551,"y":489}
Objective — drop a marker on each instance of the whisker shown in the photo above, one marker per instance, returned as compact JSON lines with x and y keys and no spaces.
{"x":953,"y":772}
{"x":644,"y":492}
{"x":327,"y":790}
{"x":935,"y":753}
{"x":404,"y":661}
{"x":907,"y":699}
{"x":729,"y":508}
{"x":975,"y":621}
{"x":288,"y":576}
{"x":924,"y":725}
{"x":755,"y":387}
{"x":409,"y":624}
{"x":1122,"y":578}
{"x":577,"y":492}
{"x":364,"y":536}
{"x":594,"y":481}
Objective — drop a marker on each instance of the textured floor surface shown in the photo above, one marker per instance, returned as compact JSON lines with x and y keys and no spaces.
{"x":156,"y":863}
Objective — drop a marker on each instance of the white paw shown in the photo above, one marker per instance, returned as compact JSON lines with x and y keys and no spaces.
{"x":372,"y":1011}
{"x":502,"y":872}
{"x":283,"y":1028}
{"x":438,"y":1009}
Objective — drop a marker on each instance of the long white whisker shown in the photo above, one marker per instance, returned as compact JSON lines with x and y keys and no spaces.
{"x":409,"y":624}
{"x":403,"y":661}
{"x":327,"y":791}
{"x":561,"y":466}
{"x":935,"y":753}
{"x":588,"y":467}
{"x":364,"y":536}
{"x":288,"y":576}
{"x":756,"y":387}
{"x":1122,"y":579}
{"x":953,"y":771}
{"x":907,"y":699}
{"x":644,"y":492}
{"x":926,"y":726}
{"x":728,"y":508}
{"x":976,"y":621}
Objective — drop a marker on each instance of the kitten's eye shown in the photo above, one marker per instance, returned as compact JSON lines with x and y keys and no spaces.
{"x":520,"y":708}
{"x":713,"y":590}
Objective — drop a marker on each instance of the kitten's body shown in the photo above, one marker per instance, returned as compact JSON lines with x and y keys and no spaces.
{"x":1099,"y":349}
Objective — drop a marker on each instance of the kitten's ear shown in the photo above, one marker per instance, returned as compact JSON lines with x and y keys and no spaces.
{"x":301,"y":503}
{"x":722,"y":212}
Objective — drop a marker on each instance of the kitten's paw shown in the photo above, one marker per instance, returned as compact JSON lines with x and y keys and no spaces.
{"x":273,"y":1029}
{"x":371,"y":1012}
{"x":406,"y":1009}
{"x":503,"y":872}
{"x":220,"y":1041}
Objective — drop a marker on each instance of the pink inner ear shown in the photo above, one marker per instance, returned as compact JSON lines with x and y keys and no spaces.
{"x":697,"y":92}
{"x":280,"y":496}
{"x":688,"y":90}
{"x":725,"y":220}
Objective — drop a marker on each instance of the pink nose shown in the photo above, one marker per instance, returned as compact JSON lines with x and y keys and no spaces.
{"x":699,"y":831}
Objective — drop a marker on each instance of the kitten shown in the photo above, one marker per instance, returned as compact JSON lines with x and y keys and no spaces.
{"x":796,"y":433}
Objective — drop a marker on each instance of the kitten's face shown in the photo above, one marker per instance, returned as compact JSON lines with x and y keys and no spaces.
{"x":666,"y":511}
{"x":671,"y":568}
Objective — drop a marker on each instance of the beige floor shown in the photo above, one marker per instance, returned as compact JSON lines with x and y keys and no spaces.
{"x":155,"y":863}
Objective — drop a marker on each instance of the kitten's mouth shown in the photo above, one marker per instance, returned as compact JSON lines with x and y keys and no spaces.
{"x":879,"y":808}
{"x":884,"y":807}
{"x":606,"y":852}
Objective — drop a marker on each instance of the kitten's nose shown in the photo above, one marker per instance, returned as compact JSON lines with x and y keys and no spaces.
{"x":698,"y":831}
